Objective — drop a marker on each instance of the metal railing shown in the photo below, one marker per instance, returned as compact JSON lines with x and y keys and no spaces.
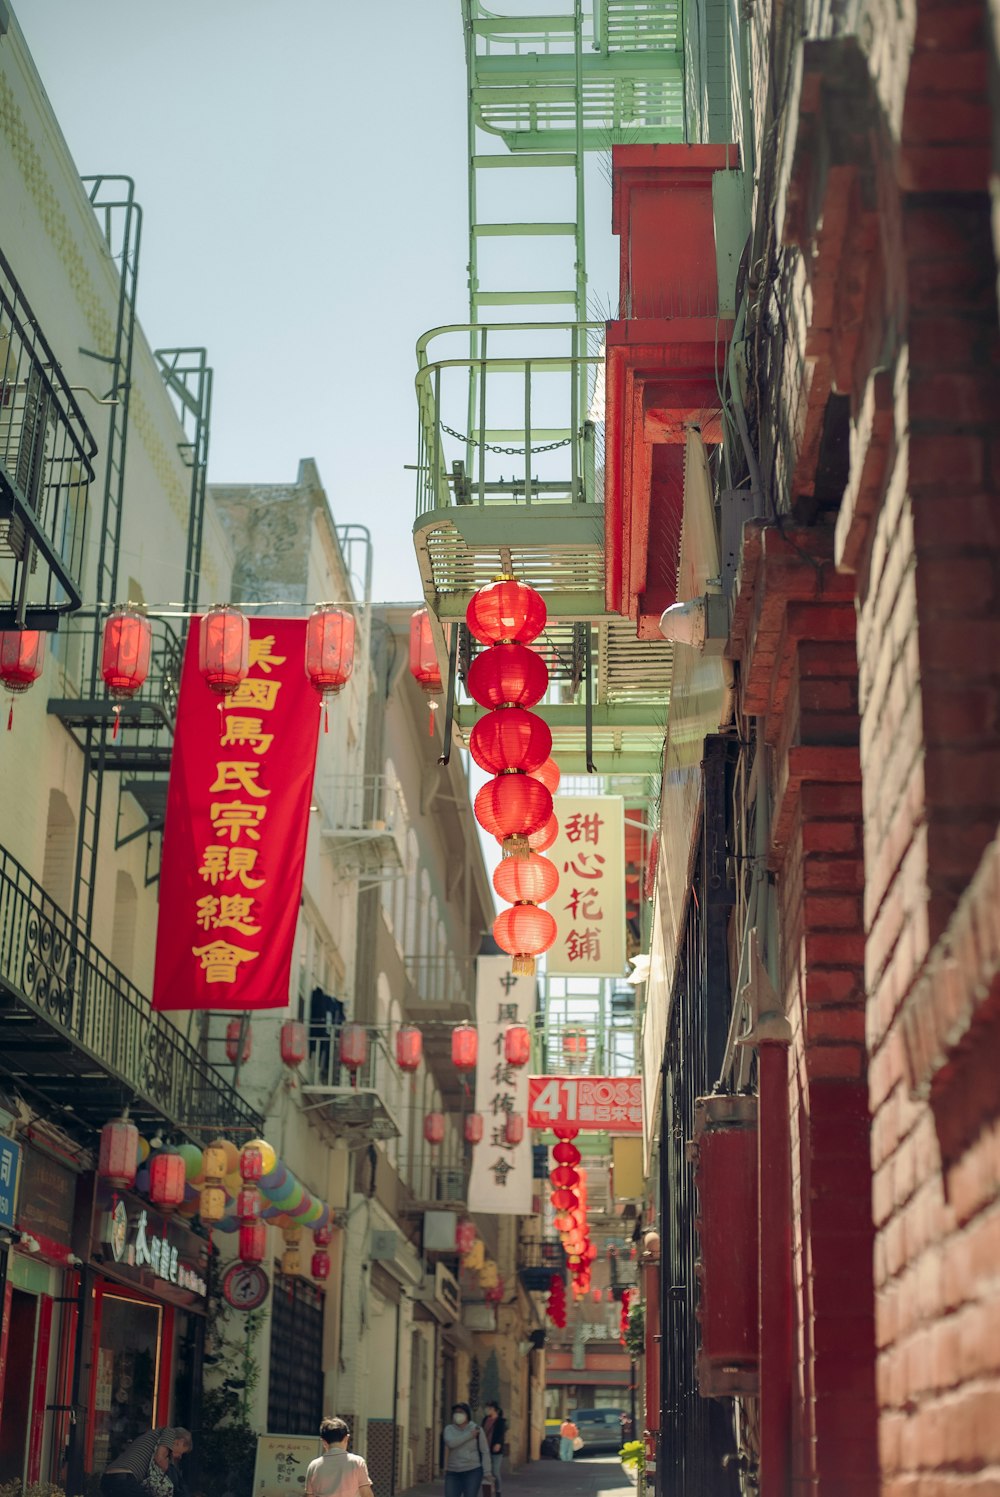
{"x":46,"y":452}
{"x":155,"y":702}
{"x":362,"y":803}
{"x":61,"y":977}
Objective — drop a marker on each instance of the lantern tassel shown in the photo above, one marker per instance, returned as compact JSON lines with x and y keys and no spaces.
{"x":326,"y":716}
{"x":432,"y":707}
{"x":117,"y":717}
{"x":10,"y":717}
{"x":523,"y":966}
{"x":516,"y":846}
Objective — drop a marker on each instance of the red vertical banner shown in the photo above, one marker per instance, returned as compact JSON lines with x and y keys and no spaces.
{"x":41,"y":1380}
{"x":235,"y":836}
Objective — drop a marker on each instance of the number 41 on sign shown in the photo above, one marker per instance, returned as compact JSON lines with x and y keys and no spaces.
{"x":611,"y":1104}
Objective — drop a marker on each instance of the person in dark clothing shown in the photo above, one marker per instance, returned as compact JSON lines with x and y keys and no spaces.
{"x":495,"y":1430}
{"x":141,"y":1469}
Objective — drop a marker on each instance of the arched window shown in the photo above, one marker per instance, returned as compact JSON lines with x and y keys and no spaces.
{"x":59,"y":865}
{"x":123,"y":929}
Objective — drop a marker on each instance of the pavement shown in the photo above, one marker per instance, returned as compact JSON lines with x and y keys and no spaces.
{"x":593,"y":1476}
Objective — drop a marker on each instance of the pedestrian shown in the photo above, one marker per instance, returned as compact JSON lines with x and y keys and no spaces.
{"x":466,"y":1454}
{"x":142,"y":1468}
{"x":177,"y":1478}
{"x":495,"y":1430}
{"x":568,"y":1436}
{"x":337,"y":1471}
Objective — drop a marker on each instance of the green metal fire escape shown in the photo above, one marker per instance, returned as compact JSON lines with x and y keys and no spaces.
{"x":510,"y":464}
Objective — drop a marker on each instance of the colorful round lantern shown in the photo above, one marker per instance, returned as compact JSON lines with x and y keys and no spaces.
{"x":409,"y":1047}
{"x":472,"y":1128}
{"x":565,"y":1132}
{"x":293,"y":1042}
{"x":508,"y":676}
{"x":434,"y":1127}
{"x":524,"y":931}
{"x":564,"y":1176}
{"x":510,"y":738}
{"x":125,"y":652}
{"x":118,"y":1158}
{"x":516,"y":1039}
{"x":233,"y":1050}
{"x":549,"y":773}
{"x":353,"y":1046}
{"x":510,"y":807}
{"x":223,"y":648}
{"x":465,"y":1235}
{"x":464,"y":1047}
{"x":329,"y":649}
{"x":424,"y":667}
{"x":533,"y":879}
{"x":505,"y":610}
{"x":566,"y":1153}
{"x":563,"y":1200}
{"x":541,"y":841}
{"x":320,"y":1265}
{"x":513,"y":1128}
{"x":166,"y":1180}
{"x":253,"y":1242}
{"x":251,"y":1162}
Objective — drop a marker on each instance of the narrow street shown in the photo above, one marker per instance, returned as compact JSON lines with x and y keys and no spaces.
{"x":593,"y":1476}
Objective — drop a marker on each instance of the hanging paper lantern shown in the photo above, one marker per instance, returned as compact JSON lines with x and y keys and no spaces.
{"x":323,"y":1236}
{"x":233,"y":1030}
{"x":513,"y":1128}
{"x":494,"y":1295}
{"x":533,"y":879}
{"x":542,"y":840}
{"x":549,"y":774}
{"x":565,"y":1132}
{"x":215,"y":1160}
{"x":464,"y":1047}
{"x":510,"y":738}
{"x":562,"y":1223}
{"x":525,"y":932}
{"x":597,"y":1295}
{"x":424,"y":667}
{"x":565,"y":1153}
{"x":125,"y":651}
{"x":590,"y":1252}
{"x":563,"y":1200}
{"x":434,"y":1127}
{"x":516,"y":1039}
{"x":506,"y":609}
{"x":118,"y":1158}
{"x":248,"y":1204}
{"x":253,"y":1242}
{"x":320,"y":1265}
{"x":212,"y":1203}
{"x":574,"y":1043}
{"x":22,"y":654}
{"x":329,"y":649}
{"x":251,"y":1162}
{"x":508,"y":676}
{"x":465,"y":1235}
{"x":473,"y":1127}
{"x":353,"y":1046}
{"x":166,"y":1180}
{"x":512,"y":806}
{"x":564,"y":1176}
{"x":269,"y":1159}
{"x":224,"y":648}
{"x":293,"y":1042}
{"x":409,"y":1047}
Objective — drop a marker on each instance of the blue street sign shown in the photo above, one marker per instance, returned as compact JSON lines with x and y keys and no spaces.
{"x":10,"y":1166}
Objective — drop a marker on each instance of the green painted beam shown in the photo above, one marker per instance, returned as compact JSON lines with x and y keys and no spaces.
{"x":504,"y":159}
{"x":522,"y":25}
{"x":521,"y":230}
{"x":564,"y":525}
{"x":598,"y":71}
{"x":524,"y":298}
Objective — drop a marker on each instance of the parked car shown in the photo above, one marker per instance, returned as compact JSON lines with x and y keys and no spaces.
{"x":600,"y":1429}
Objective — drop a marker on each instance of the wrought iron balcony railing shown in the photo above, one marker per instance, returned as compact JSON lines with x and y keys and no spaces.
{"x":46,"y":452}
{"x":363,"y":822}
{"x":77,"y":1033}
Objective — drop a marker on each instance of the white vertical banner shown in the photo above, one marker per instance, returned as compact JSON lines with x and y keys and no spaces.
{"x":589,"y":904}
{"x":500,"y":1181}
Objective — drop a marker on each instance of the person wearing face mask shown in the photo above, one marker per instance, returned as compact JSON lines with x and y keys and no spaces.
{"x":466,"y":1454}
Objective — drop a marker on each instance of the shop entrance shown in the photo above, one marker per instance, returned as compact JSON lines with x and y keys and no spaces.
{"x":15,"y":1425}
{"x":130,"y":1392}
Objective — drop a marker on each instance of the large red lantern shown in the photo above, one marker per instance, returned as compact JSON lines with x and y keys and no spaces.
{"x":409,"y":1047}
{"x":22,"y":655}
{"x":424,"y":667}
{"x":564,"y":1176}
{"x":508,"y":676}
{"x":506,"y":609}
{"x":329,"y":648}
{"x":543,"y":840}
{"x":549,"y":773}
{"x":233,"y":1048}
{"x":525,"y":932}
{"x":513,"y":1128}
{"x":464,"y":1047}
{"x":465,"y":1235}
{"x":472,"y":1128}
{"x":510,"y":738}
{"x":353,"y":1046}
{"x":125,"y":652}
{"x":534,"y":879}
{"x":224,"y":648}
{"x":563,"y":1200}
{"x":166,"y":1180}
{"x":511,"y":807}
{"x":293,"y":1042}
{"x":434,"y":1127}
{"x":564,"y":1132}
{"x":118,"y":1159}
{"x":516,"y":1044}
{"x":566,"y":1153}
{"x":253,"y":1242}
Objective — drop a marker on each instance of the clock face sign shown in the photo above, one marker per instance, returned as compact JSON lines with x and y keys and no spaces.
{"x":245,"y":1286}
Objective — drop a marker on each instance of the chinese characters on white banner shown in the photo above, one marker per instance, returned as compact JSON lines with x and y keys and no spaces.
{"x":589,"y":905}
{"x":501,"y":1171}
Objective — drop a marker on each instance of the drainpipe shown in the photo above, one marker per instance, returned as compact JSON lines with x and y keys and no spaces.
{"x":772,"y":1035}
{"x":654,"y":1344}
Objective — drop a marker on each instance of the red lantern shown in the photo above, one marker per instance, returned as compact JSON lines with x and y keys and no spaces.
{"x":329,"y":649}
{"x":353,"y":1046}
{"x":322,"y":1236}
{"x":533,"y":879}
{"x":464,"y":1047}
{"x":562,"y":1223}
{"x":510,"y":738}
{"x":597,"y":1295}
{"x":22,"y":654}
{"x":253,"y":1242}
{"x":224,"y":648}
{"x":565,"y":1153}
{"x":516,"y":1040}
{"x":563,"y":1200}
{"x":495,"y":1295}
{"x":506,"y":610}
{"x":564,"y":1132}
{"x":590,"y":1251}
{"x":564,"y":1176}
{"x":473,"y":1127}
{"x":543,"y":840}
{"x":465,"y":1235}
{"x":511,"y":807}
{"x":247,"y":1208}
{"x":320,"y":1265}
{"x":574,"y":1043}
{"x":118,"y":1159}
{"x":525,"y":932}
{"x":166,"y":1180}
{"x":125,"y":652}
{"x":409,"y":1047}
{"x":233,"y":1029}
{"x":550,"y":774}
{"x":434,"y":1127}
{"x":293,"y":1042}
{"x":423,"y":657}
{"x":508,"y":676}
{"x":251,"y":1162}
{"x":513,"y":1128}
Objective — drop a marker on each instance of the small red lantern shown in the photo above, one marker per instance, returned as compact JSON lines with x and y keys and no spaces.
{"x":510,"y":738}
{"x":562,"y":1223}
{"x":22,"y":655}
{"x":329,"y":649}
{"x":322,"y":1236}
{"x":564,"y":1176}
{"x":495,"y":1295}
{"x":409,"y":1047}
{"x":465,"y":1235}
{"x":320,"y":1265}
{"x":434,"y":1127}
{"x":125,"y":652}
{"x":543,"y":840}
{"x":508,"y":676}
{"x":118,"y":1159}
{"x":563,"y":1200}
{"x":247,"y":1208}
{"x":233,"y":1030}
{"x":590,"y":1251}
{"x":512,"y":806}
{"x":506,"y":609}
{"x":253,"y":1242}
{"x":597,"y":1295}
{"x":353,"y":1046}
{"x":525,"y":932}
{"x":424,"y":667}
{"x":513,"y":1128}
{"x":166,"y":1180}
{"x":550,"y":774}
{"x":566,"y":1153}
{"x":473,"y":1127}
{"x":293,"y":1042}
{"x":464,"y":1047}
{"x":516,"y":1040}
{"x":251,"y":1162}
{"x":224,"y":648}
{"x":533,"y":879}
{"x":574,"y":1043}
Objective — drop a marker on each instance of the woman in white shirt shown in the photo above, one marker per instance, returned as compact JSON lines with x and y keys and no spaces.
{"x":337,"y":1473}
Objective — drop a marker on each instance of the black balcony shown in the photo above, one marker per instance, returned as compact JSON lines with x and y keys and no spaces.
{"x":77,"y":1037}
{"x":537,"y":1262}
{"x":46,"y":452}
